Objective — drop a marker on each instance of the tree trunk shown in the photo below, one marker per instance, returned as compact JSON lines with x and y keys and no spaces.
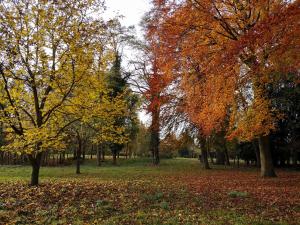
{"x":83,"y":150}
{"x":36,"y":164}
{"x":267,"y":168}
{"x":220,"y":157}
{"x":92,"y":150}
{"x":257,"y":154}
{"x":211,"y":158}
{"x":98,"y":155}
{"x":294,"y":157}
{"x":154,"y":138}
{"x":204,"y":156}
{"x":103,"y":154}
{"x":78,"y":162}
{"x":78,"y":154}
{"x":227,"y":161}
{"x":114,"y":158}
{"x":156,"y":159}
{"x":74,"y":153}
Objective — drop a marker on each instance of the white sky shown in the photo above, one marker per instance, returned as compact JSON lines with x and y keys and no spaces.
{"x":133,"y":11}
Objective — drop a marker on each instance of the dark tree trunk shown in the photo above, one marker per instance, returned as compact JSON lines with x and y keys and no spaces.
{"x":83,"y":150}
{"x":156,"y":159}
{"x":267,"y":168}
{"x":60,"y":158}
{"x":154,"y":138}
{"x":204,"y":156}
{"x":257,"y":154}
{"x":36,"y":164}
{"x":78,"y":154}
{"x":220,"y":157}
{"x":210,"y":155}
{"x":294,"y":157}
{"x":74,"y":153}
{"x":211,"y":159}
{"x":227,"y":161}
{"x":126,"y":151}
{"x":83,"y":147}
{"x":114,"y":158}
{"x":99,"y":155}
{"x":92,"y":150}
{"x":103,"y":153}
{"x":78,"y":162}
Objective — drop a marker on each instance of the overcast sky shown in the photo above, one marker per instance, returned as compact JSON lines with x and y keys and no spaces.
{"x":132,"y":10}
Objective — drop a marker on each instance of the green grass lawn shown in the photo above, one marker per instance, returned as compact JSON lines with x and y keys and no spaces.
{"x":127,"y":169}
{"x":178,"y":191}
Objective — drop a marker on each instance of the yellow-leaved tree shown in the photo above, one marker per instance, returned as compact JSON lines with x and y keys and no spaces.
{"x":45,"y":57}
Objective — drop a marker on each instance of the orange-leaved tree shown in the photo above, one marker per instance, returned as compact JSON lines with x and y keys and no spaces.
{"x":227,"y":53}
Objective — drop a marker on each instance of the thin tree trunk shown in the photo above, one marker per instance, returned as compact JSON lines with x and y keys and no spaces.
{"x":92,"y":150}
{"x":98,"y":155}
{"x":257,"y":154}
{"x":74,"y":153}
{"x":154,"y":138}
{"x":211,"y":158}
{"x":78,"y":162}
{"x":103,"y":153}
{"x":294,"y":157}
{"x":114,"y":158}
{"x":78,"y":154}
{"x":267,"y":168}
{"x":83,"y":150}
{"x":227,"y":161}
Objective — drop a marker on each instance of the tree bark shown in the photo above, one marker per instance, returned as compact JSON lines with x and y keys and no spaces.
{"x":99,"y":155}
{"x":126,"y":151}
{"x":103,"y":154}
{"x":257,"y":154}
{"x":92,"y":150}
{"x":267,"y":168}
{"x":204,"y":155}
{"x":154,"y":138}
{"x":227,"y":161}
{"x":114,"y":158}
{"x":36,"y":164}
{"x":78,"y":154}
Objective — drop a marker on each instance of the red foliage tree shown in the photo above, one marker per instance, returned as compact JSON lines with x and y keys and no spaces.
{"x":226,"y":54}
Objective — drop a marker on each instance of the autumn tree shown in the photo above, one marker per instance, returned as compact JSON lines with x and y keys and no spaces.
{"x":227,"y":55}
{"x":97,"y":112}
{"x":44,"y":56}
{"x":148,"y":81}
